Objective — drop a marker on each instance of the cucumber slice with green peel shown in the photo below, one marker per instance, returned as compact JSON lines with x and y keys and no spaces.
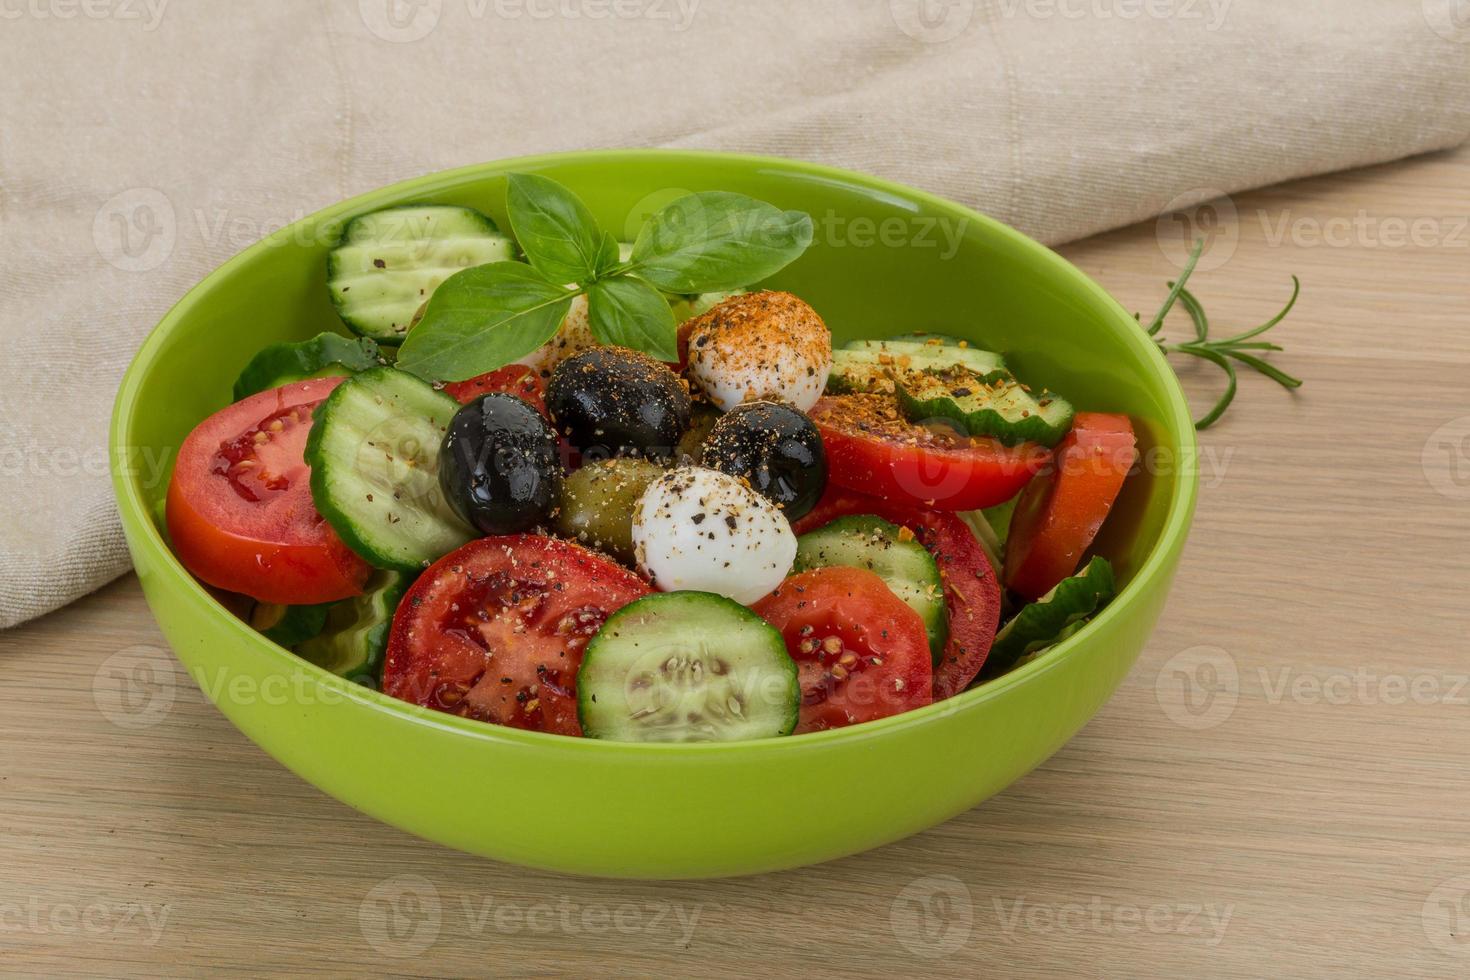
{"x":354,"y":636}
{"x":389,"y":262}
{"x":870,"y":365}
{"x":687,"y":667}
{"x":925,"y":337}
{"x":891,"y":553}
{"x":983,"y":405}
{"x":288,"y":625}
{"x":856,"y":373}
{"x":326,"y":355}
{"x":1052,"y":618}
{"x":930,"y":355}
{"x":374,"y":458}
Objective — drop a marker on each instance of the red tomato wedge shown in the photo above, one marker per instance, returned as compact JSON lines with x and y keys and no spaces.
{"x":861,"y":653}
{"x":495,"y":630}
{"x":872,"y":448}
{"x":1060,"y":512}
{"x":513,"y":379}
{"x":970,"y":588}
{"x":239,"y":508}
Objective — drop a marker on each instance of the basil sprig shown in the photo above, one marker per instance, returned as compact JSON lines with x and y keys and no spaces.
{"x":487,"y":316}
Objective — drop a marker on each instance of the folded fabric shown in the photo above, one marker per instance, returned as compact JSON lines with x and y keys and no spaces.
{"x":145,"y":141}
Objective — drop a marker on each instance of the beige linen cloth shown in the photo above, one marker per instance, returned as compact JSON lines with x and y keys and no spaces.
{"x":143,"y":142}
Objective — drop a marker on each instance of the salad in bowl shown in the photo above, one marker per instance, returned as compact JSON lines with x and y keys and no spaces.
{"x":546,"y":480}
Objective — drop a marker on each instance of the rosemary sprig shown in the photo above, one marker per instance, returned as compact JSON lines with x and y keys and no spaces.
{"x":1221,"y":353}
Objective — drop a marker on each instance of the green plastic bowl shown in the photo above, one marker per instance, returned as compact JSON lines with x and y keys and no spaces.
{"x":887,"y":259}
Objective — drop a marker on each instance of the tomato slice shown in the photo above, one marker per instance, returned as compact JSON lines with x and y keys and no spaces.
{"x":1060,"y":512}
{"x":971,"y":591}
{"x":513,"y":379}
{"x":871,"y":447}
{"x":239,"y":508}
{"x":861,"y":653}
{"x":495,"y":630}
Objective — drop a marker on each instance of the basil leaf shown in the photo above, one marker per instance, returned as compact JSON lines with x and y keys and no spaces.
{"x":559,"y":235}
{"x":483,"y":318}
{"x":628,"y":313}
{"x":716,"y":240}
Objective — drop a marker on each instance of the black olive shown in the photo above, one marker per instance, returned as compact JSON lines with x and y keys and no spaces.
{"x":775,"y":447}
{"x":611,"y":401}
{"x":499,"y":467}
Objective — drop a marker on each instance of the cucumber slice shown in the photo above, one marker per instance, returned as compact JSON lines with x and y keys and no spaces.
{"x":984,"y":405}
{"x":288,"y":625}
{"x":686,"y":667}
{"x":374,"y":458}
{"x":859,"y":372}
{"x":931,"y":355}
{"x":869,"y":365}
{"x":389,"y":262}
{"x":326,"y":355}
{"x":1051,"y":618}
{"x":924,"y":337}
{"x":355,"y":633}
{"x":890,"y":552}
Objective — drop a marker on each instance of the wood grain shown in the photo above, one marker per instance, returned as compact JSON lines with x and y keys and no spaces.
{"x":1310,"y":820}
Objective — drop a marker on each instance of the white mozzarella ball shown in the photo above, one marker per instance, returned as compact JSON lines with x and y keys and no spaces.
{"x":704,"y":530}
{"x":574,"y":336}
{"x":765,"y":345}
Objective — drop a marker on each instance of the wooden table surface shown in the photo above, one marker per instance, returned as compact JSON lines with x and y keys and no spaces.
{"x":1279,"y":788}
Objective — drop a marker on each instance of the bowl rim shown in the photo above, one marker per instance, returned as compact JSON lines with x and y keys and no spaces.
{"x":1177,"y":420}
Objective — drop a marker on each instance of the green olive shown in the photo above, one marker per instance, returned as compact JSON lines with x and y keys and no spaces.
{"x":598,"y":500}
{"x":691,"y":445}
